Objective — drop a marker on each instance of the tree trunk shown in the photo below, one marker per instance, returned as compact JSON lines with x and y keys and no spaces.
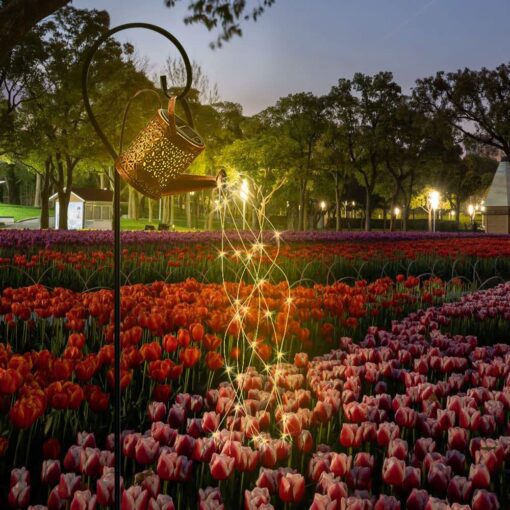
{"x":368,"y":209}
{"x":63,"y":201}
{"x":150,"y":206}
{"x":45,"y":194}
{"x":338,"y":205}
{"x":171,"y":204}
{"x":457,"y":211}
{"x":188,"y":210}
{"x":37,"y":194}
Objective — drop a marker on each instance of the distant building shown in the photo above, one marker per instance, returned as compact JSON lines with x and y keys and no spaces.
{"x":88,"y":207}
{"x":497,"y":203}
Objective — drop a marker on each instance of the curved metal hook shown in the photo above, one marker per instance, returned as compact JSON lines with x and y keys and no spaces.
{"x":90,"y":55}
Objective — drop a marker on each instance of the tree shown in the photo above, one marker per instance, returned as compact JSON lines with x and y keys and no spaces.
{"x":55,"y":121}
{"x":476,"y":103}
{"x":364,"y":106}
{"x":301,"y":119}
{"x":19,"y":17}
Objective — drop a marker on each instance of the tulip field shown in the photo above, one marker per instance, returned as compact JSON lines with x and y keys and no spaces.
{"x":349,"y":371}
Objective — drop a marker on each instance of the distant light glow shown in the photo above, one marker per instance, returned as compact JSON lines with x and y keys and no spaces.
{"x":434,"y":199}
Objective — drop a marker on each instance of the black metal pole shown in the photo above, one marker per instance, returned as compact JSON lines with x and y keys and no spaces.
{"x":117,"y":426}
{"x":117,"y":319}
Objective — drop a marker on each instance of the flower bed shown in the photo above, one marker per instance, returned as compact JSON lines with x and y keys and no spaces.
{"x":83,"y":260}
{"x":414,"y":416}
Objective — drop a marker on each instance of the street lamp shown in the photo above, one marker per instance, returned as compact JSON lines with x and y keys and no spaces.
{"x":396,"y":211}
{"x":244,"y":193}
{"x":434,"y":200}
{"x":153,"y":164}
{"x":323,"y":205}
{"x":471,"y":211}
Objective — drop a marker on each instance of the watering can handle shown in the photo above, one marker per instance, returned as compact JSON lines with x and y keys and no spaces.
{"x":171,"y":114}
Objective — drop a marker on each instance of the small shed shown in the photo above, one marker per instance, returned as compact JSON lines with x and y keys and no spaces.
{"x":87,"y":207}
{"x":497,"y":203}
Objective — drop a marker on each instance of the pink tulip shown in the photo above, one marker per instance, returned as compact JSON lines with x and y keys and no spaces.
{"x":436,"y":504}
{"x":69,"y":483}
{"x":291,"y":488}
{"x":340,"y":463}
{"x":86,"y":439}
{"x":360,"y":478}
{"x":460,"y":489}
{"x":166,"y":467}
{"x":105,"y":487}
{"x":480,"y":476}
{"x":221,"y":466}
{"x":387,"y":503}
{"x":397,"y":448}
{"x":161,"y":432}
{"x":19,"y":475}
{"x":267,"y":479}
{"x":162,"y":502}
{"x":439,"y":476}
{"x":72,"y":459}
{"x":19,"y":495}
{"x":156,"y":411}
{"x":323,"y":502}
{"x":83,"y":500}
{"x":256,"y":498}
{"x":176,"y":416}
{"x":304,"y":441}
{"x":210,"y":421}
{"x":457,"y":438}
{"x":484,"y":500}
{"x":204,"y":449}
{"x":393,"y":471}
{"x":150,"y":482}
{"x":146,"y":450}
{"x":184,"y":445}
{"x":417,"y":500}
{"x":55,"y":502}
{"x":332,"y":486}
{"x":135,"y":498}
{"x":90,"y":463}
{"x":318,"y":464}
{"x":129,"y":442}
{"x":386,"y":432}
{"x":412,"y":478}
{"x":349,"y":436}
{"x":210,"y":499}
{"x":50,"y":472}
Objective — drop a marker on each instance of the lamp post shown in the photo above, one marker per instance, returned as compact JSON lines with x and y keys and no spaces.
{"x":155,"y":173}
{"x":434,"y":199}
{"x":323,"y":207}
{"x":244,"y":192}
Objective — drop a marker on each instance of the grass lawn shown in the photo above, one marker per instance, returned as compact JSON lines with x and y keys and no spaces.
{"x":20,"y":212}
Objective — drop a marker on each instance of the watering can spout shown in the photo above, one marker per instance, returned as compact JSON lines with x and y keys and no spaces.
{"x":185,"y":183}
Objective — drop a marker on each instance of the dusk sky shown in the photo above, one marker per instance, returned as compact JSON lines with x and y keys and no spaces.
{"x":307,"y":45}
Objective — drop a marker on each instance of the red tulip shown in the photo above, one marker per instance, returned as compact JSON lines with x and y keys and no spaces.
{"x":323,"y":502}
{"x":146,"y":450}
{"x":340,"y":463}
{"x":90,"y":463}
{"x":291,"y":488}
{"x":393,"y":471}
{"x":480,"y":476}
{"x":332,"y":486}
{"x":412,"y":478}
{"x":221,"y":466}
{"x":483,"y":500}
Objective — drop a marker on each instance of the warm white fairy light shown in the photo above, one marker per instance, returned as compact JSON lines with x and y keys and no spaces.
{"x":255,"y":264}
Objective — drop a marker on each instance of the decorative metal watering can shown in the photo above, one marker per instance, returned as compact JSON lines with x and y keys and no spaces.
{"x":156,"y":159}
